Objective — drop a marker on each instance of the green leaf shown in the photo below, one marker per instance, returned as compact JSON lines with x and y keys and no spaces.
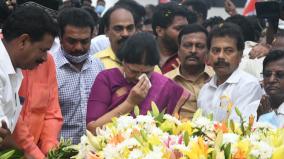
{"x":155,"y":109}
{"x":150,"y":146}
{"x":144,"y":135}
{"x":8,"y":154}
{"x":232,"y":125}
{"x":160,"y":117}
{"x":138,"y":139}
{"x":17,"y":154}
{"x":136,"y":110}
{"x":242,"y":120}
{"x":227,"y":151}
{"x":61,"y":151}
{"x":219,"y":139}
{"x":238,"y":112}
{"x":197,"y":114}
{"x":186,"y":138}
{"x":210,"y":116}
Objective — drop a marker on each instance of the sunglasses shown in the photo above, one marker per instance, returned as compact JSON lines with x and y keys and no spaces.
{"x":277,"y":74}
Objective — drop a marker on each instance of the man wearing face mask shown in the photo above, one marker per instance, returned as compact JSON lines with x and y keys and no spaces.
{"x":76,"y":70}
{"x":100,"y":7}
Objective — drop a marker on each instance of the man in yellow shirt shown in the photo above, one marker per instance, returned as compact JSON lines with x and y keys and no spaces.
{"x":119,"y":23}
{"x":193,"y":72}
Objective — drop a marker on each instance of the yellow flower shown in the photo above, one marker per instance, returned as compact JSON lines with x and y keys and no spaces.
{"x":198,"y":150}
{"x":243,"y":148}
{"x":125,"y":152}
{"x":154,"y":140}
{"x":226,"y":99}
{"x":278,"y":153}
{"x":183,"y":127}
{"x":168,"y":126}
{"x":276,"y":138}
{"x":95,"y":141}
{"x":168,"y":154}
{"x":237,"y":130}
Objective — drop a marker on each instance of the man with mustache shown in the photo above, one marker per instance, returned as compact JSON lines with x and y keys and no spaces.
{"x":40,"y":120}
{"x":76,"y":69}
{"x":28,"y":34}
{"x":119,"y":23}
{"x":192,"y":72}
{"x":167,"y":22}
{"x":229,"y":85}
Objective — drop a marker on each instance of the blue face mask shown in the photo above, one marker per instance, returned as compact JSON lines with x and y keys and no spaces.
{"x":75,"y":59}
{"x":100,"y":9}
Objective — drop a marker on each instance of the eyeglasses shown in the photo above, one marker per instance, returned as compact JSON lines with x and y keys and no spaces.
{"x":277,"y":74}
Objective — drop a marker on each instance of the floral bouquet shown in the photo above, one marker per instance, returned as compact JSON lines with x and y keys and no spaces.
{"x":162,"y":136}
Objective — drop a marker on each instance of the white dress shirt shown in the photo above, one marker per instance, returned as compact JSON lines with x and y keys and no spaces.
{"x":55,"y":46}
{"x":251,"y":66}
{"x":275,"y":118}
{"x":99,"y":43}
{"x":241,"y":88}
{"x":10,"y":82}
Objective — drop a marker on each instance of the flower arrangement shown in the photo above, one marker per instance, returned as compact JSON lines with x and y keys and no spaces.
{"x":162,"y":136}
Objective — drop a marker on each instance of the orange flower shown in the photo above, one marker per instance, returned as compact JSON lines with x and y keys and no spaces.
{"x":221,"y":126}
{"x":118,"y":138}
{"x":135,"y":132}
{"x":93,"y":156}
{"x":240,"y":154}
{"x":251,"y":121}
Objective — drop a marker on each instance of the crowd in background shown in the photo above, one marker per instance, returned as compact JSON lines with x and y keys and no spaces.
{"x":67,"y":67}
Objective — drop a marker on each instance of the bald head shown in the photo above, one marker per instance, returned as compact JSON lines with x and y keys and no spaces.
{"x":121,"y":26}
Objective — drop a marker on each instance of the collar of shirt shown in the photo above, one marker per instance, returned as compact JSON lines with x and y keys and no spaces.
{"x":234,"y":78}
{"x":176,"y":73}
{"x":171,"y":59}
{"x":6,"y":60}
{"x":280,"y":110}
{"x":250,"y":44}
{"x":107,"y":53}
{"x":62,"y":61}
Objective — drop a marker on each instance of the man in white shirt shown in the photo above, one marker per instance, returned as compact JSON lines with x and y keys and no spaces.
{"x":273,"y":82}
{"x":229,"y":84}
{"x":27,"y":36}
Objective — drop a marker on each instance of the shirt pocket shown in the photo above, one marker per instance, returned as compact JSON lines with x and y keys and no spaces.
{"x":39,"y":97}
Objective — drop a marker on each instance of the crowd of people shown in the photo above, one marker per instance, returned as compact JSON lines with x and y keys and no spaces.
{"x":67,"y":67}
